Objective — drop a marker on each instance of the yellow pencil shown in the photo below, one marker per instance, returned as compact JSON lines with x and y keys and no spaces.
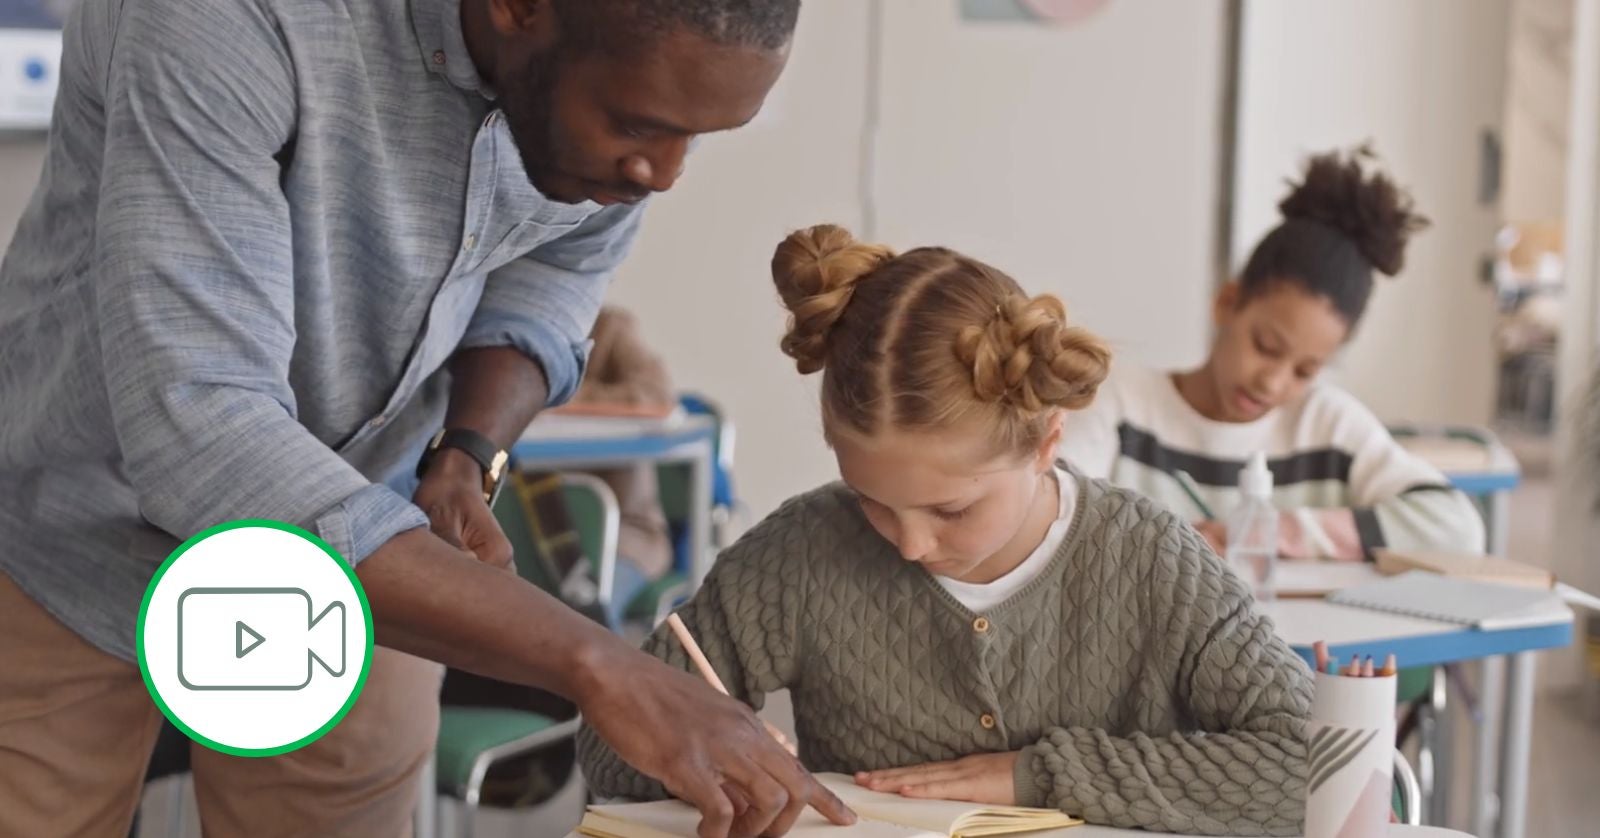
{"x":706,"y":672}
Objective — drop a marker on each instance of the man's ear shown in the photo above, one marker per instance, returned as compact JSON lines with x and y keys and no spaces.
{"x":524,"y":18}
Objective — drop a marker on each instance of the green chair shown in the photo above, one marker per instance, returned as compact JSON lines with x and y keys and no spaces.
{"x":656,"y":601}
{"x":1422,"y":691}
{"x":597,"y":518}
{"x":471,"y":739}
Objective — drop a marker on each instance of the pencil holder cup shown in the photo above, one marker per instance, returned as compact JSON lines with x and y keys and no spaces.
{"x":1350,"y":779}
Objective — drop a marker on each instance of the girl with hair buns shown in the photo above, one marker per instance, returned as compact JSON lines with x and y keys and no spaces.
{"x":964,"y":617}
{"x":1345,"y":486}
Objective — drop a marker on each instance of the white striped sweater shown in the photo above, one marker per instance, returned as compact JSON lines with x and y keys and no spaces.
{"x":1345,"y":486}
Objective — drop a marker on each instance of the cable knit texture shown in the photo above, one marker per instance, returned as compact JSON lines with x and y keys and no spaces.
{"x":1134,"y":676}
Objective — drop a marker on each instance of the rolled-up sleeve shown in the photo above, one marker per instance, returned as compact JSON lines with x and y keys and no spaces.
{"x":194,"y":283}
{"x":545,"y":303}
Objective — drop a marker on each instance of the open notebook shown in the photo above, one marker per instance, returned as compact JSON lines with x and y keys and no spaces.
{"x":880,"y":816}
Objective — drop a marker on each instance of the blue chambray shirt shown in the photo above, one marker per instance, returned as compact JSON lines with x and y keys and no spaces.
{"x":262,"y":228}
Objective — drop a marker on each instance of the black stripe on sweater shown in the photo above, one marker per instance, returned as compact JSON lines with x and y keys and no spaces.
{"x":1428,"y":487}
{"x":1142,"y":446}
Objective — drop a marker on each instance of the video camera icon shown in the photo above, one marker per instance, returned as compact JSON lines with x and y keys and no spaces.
{"x":256,"y":639}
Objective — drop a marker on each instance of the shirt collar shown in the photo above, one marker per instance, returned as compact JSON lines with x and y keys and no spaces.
{"x":444,"y":45}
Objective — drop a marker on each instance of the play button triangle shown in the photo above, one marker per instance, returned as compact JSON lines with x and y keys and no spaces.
{"x":240,"y":647}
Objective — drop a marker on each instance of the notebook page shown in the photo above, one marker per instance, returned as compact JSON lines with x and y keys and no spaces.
{"x":945,"y":817}
{"x":675,"y":819}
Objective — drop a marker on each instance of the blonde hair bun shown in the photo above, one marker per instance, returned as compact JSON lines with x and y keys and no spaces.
{"x":1028,"y":356}
{"x":816,"y":271}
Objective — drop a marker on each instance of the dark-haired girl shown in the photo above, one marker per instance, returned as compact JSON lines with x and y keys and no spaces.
{"x":1344,"y":485}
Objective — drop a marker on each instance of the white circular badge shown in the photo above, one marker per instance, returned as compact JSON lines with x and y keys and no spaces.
{"x":255,"y":638}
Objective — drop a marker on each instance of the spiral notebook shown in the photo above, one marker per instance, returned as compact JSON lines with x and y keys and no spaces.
{"x":880,"y":816}
{"x":1465,"y":602}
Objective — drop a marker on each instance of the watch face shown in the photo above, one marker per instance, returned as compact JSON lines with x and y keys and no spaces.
{"x":492,"y":487}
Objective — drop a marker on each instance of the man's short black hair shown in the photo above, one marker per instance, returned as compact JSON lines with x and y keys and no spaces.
{"x":617,"y":26}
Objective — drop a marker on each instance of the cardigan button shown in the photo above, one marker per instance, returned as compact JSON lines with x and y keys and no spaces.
{"x":987,"y":721}
{"x":981,"y":625}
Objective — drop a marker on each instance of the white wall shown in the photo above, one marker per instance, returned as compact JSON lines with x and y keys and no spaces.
{"x":1421,"y":78}
{"x":1576,"y":522}
{"x":1081,"y":161}
{"x":1538,"y":94}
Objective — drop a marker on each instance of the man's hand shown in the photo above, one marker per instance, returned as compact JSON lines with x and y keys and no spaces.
{"x":431,"y":601}
{"x":707,"y":749}
{"x":495,"y":391}
{"x":982,"y":778}
{"x":451,"y":494}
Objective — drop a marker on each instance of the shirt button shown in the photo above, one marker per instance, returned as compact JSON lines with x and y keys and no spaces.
{"x":987,"y":721}
{"x":438,"y":56}
{"x":981,"y":625}
{"x":472,"y":241}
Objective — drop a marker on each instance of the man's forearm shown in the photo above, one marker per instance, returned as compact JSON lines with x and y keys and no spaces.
{"x":436,"y":602}
{"x":495,"y":391}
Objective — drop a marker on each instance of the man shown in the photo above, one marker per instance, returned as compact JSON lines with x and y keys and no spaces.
{"x":275,"y":247}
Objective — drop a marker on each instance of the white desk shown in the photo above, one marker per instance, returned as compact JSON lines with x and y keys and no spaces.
{"x":564,"y":441}
{"x":1090,"y":831}
{"x":1475,"y":462}
{"x":1418,"y":642}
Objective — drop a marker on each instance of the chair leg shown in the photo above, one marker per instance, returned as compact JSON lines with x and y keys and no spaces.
{"x":1427,"y":763}
{"x":1441,"y":748}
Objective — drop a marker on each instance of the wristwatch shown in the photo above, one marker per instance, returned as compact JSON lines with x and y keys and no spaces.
{"x":490,"y":457}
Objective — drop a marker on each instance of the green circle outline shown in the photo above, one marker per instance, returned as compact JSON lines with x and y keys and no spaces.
{"x":255,"y":523}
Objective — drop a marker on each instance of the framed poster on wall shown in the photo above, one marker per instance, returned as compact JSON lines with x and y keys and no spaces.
{"x":30,"y":57}
{"x":1047,"y":12}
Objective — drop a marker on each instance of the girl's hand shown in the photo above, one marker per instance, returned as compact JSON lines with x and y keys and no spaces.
{"x":1215,"y":534}
{"x":982,"y":778}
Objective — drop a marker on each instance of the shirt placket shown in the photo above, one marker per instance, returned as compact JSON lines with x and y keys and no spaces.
{"x":482,"y":180}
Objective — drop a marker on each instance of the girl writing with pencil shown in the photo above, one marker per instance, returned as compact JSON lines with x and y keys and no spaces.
{"x":1345,"y":486}
{"x":964,"y":617}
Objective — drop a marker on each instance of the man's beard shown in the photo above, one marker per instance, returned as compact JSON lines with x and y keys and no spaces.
{"x":528,"y":104}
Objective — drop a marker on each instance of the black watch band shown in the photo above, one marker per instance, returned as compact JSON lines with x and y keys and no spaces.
{"x":490,"y":457}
